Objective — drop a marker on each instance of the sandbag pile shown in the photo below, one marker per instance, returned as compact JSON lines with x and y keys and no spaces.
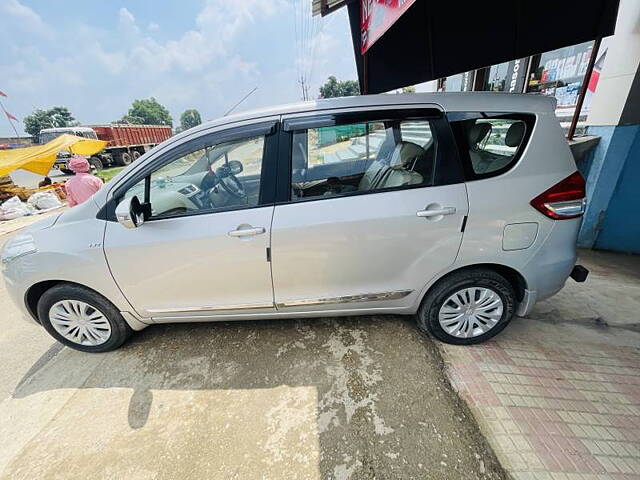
{"x":37,"y":203}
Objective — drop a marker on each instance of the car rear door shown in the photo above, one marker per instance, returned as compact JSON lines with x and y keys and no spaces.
{"x":367,"y":239}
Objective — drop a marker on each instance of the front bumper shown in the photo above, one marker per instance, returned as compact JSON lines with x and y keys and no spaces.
{"x":17,"y":292}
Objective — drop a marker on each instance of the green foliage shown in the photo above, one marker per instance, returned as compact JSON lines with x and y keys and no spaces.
{"x":339,"y":88}
{"x":147,"y":112}
{"x":108,"y":173}
{"x":55,"y":117}
{"x":130,"y":119}
{"x":189,"y":119}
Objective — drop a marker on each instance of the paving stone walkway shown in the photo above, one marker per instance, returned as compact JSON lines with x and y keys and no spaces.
{"x":552,"y":411}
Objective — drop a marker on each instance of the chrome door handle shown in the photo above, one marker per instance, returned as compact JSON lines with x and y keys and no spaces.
{"x":247,"y":232}
{"x":436,"y":212}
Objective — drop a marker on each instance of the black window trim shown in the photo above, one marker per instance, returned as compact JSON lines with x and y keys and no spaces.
{"x":268,"y":129}
{"x":462,"y":143}
{"x":360,"y":116}
{"x":441,"y":130}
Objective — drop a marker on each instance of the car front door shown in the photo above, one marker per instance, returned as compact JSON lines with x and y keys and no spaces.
{"x":203,"y":251}
{"x":374,"y":207}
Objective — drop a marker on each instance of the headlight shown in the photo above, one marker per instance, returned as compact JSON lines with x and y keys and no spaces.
{"x":17,"y":247}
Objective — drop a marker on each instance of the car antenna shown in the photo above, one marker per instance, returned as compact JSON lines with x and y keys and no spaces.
{"x":241,"y":100}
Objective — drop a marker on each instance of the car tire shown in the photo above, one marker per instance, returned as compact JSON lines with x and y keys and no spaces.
{"x":107,"y":330}
{"x":124,"y":159}
{"x":480,"y":318}
{"x":66,"y":171}
{"x":136,"y":155}
{"x":96,"y":163}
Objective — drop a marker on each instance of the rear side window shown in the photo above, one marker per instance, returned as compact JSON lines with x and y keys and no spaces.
{"x":489,"y":143}
{"x":361,"y":158}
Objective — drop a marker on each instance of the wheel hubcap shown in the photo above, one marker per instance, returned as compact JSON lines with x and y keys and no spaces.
{"x":470,"y":312}
{"x":80,"y":322}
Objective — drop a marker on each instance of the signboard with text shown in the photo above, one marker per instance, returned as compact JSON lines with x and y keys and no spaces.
{"x":377,"y":18}
{"x":516,"y":76}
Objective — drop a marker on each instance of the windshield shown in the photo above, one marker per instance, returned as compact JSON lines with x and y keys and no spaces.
{"x":48,"y":136}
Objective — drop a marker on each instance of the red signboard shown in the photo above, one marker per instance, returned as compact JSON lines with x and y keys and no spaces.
{"x":377,"y":18}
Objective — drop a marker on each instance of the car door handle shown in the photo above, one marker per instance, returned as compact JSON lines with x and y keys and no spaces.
{"x":436,"y":212}
{"x":247,"y":232}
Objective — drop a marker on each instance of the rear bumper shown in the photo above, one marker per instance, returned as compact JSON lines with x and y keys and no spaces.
{"x":530,"y":297}
{"x":547,"y":271}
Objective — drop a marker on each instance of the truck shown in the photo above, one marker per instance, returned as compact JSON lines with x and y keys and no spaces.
{"x":126,"y":143}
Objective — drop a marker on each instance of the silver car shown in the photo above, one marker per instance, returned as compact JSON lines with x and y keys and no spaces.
{"x":461,"y":209}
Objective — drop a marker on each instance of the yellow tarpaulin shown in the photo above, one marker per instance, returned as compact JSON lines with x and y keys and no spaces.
{"x":40,"y":158}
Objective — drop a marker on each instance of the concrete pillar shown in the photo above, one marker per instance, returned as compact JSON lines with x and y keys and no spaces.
{"x":612,"y":219}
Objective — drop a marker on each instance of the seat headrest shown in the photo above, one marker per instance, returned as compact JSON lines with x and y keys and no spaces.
{"x":477,"y":133}
{"x":404,"y":154}
{"x":514,"y":134}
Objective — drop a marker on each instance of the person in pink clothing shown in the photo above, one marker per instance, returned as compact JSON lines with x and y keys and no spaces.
{"x":83,"y":184}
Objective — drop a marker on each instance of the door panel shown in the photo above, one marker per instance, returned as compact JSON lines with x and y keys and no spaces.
{"x":364,"y":245}
{"x":191,"y":265}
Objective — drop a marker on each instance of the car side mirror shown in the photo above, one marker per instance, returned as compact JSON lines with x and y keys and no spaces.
{"x":130,"y":213}
{"x":235,"y":166}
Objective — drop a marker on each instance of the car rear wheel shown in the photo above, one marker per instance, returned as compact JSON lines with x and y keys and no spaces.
{"x":82,"y":319}
{"x":136,"y":155}
{"x":468,"y":307}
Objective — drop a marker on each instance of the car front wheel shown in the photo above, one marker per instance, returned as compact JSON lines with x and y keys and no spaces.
{"x":82,"y":319}
{"x":468,"y":307}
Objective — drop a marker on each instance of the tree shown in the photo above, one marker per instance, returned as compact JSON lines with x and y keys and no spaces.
{"x":147,"y":112}
{"x":55,"y":117}
{"x":189,"y":119}
{"x":339,"y":88}
{"x":409,"y":89}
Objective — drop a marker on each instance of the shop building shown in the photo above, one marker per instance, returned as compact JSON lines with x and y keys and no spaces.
{"x":585,"y":53}
{"x":558,"y":73}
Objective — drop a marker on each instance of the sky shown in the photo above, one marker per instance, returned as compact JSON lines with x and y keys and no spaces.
{"x":96,"y":57}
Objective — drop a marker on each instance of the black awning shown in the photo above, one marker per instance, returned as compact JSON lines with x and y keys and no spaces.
{"x":439,"y":38}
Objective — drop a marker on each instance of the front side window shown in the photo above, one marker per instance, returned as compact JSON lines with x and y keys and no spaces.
{"x":212,"y":178}
{"x":362,"y":157}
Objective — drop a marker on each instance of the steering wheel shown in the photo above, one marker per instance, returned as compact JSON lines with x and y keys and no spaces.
{"x":232,"y":186}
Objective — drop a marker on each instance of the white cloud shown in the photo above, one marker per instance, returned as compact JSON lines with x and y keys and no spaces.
{"x":217,"y":27}
{"x":127,"y":22}
{"x":24,"y":16}
{"x":113,"y":62}
{"x":98,"y":72}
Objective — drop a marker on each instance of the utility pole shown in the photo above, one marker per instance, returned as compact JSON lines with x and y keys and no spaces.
{"x":304,"y":88}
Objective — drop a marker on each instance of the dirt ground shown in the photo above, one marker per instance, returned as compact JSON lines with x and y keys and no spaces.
{"x":343,"y":398}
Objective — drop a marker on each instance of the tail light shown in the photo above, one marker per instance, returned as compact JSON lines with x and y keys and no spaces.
{"x":566,"y":199}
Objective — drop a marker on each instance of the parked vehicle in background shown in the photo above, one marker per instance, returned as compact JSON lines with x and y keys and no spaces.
{"x":126,"y":142}
{"x":462,"y":209}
